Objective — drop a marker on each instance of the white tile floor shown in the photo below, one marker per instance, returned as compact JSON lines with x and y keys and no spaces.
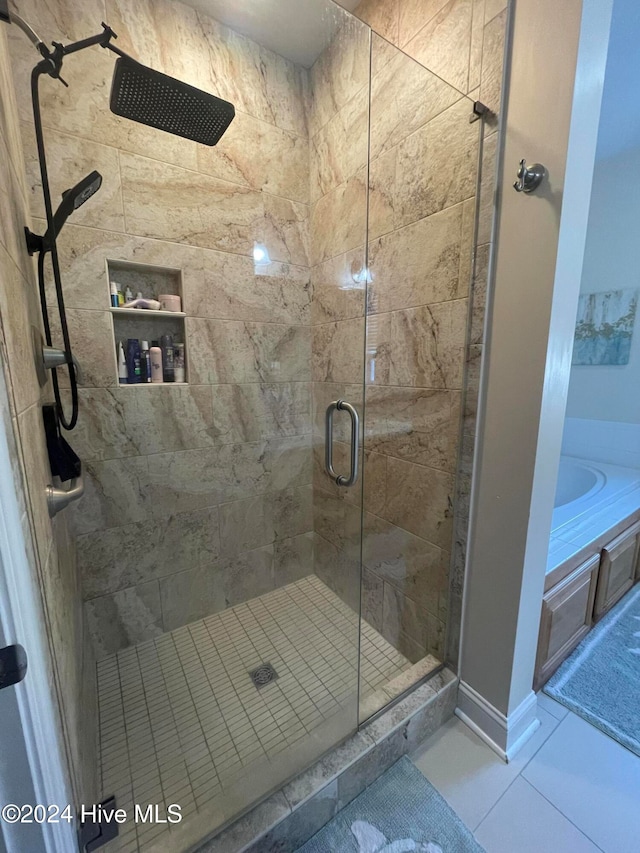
{"x":572,"y":789}
{"x":181,"y":721}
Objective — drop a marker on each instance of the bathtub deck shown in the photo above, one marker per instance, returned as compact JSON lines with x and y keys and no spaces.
{"x":616,"y":509}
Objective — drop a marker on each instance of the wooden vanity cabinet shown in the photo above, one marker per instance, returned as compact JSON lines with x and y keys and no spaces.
{"x":567,"y":615}
{"x":618,"y":570}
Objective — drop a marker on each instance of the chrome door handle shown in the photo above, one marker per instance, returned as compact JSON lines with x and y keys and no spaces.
{"x":340,"y":479}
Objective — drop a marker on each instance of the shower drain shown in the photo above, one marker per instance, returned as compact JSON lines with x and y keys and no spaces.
{"x":263,"y":674}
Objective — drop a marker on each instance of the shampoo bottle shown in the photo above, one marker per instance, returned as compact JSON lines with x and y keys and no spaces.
{"x":114,"y":294}
{"x":145,"y":361}
{"x":155,"y":354}
{"x":178,"y":363}
{"x":123,"y":373}
{"x":128,"y":294}
{"x":134,"y":371}
{"x":168,"y":354}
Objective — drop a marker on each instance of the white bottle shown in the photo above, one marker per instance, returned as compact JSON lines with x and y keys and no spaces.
{"x":156,"y":362}
{"x":128,"y":294}
{"x":123,"y":373}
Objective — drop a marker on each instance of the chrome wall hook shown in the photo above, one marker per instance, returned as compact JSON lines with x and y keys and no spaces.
{"x":529,"y":177}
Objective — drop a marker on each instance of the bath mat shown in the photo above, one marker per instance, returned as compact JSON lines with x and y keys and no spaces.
{"x":601,"y":679}
{"x":399,"y":812}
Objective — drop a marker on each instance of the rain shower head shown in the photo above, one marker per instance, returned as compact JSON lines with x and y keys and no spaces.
{"x":71,"y":200}
{"x":160,"y":101}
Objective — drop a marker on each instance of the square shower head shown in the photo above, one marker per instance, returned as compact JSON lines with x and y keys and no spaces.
{"x":160,"y":101}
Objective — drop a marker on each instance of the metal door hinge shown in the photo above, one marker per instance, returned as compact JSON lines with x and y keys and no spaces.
{"x":13,"y":665}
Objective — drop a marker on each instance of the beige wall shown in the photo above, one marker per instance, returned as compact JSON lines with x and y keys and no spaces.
{"x":51,"y":550}
{"x":197,"y":497}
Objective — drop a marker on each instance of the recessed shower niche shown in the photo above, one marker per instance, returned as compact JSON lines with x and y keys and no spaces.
{"x":133,"y":282}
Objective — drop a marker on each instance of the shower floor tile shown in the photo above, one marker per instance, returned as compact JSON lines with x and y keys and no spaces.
{"x":181,"y":720}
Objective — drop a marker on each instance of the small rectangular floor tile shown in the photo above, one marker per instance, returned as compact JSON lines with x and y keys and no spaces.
{"x":180,"y":713}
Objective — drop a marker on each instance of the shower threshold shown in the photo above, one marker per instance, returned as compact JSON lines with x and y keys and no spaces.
{"x":181,"y":720}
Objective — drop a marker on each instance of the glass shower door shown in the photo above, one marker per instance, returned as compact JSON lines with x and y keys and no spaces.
{"x":424,"y":151}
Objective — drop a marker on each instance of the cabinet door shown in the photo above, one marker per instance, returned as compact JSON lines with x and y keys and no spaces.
{"x":567,"y":615}
{"x":617,"y":570}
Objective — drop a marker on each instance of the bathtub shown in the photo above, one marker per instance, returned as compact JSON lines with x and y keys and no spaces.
{"x":585,"y":487}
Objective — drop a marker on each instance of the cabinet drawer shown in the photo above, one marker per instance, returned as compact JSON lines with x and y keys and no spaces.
{"x":566,"y":617}
{"x":618,"y":567}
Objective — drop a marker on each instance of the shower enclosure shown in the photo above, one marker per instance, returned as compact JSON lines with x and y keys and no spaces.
{"x":263,"y":551}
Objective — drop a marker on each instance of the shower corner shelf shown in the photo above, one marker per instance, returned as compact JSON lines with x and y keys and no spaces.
{"x":147,"y":312}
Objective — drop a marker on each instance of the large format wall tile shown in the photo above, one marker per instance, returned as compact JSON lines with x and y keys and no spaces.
{"x":436,"y":165}
{"x":431,"y":276}
{"x":245,"y":413}
{"x":414,"y":566}
{"x":414,"y":424}
{"x":121,"y":557}
{"x":127,"y":617}
{"x":338,"y":219}
{"x":116,"y":494}
{"x":261,"y":520}
{"x":443,"y":44}
{"x":223,"y":351}
{"x":234,"y":287}
{"x":404,"y":96}
{"x":285,"y":232}
{"x":138,"y":421}
{"x":420,"y":500}
{"x":338,"y":288}
{"x":176,"y":204}
{"x":421,"y":347}
{"x":338,"y":351}
{"x":413,"y":15}
{"x":339,"y":149}
{"x":69,"y":159}
{"x":192,"y":479}
{"x":339,"y":73}
{"x":252,"y":152}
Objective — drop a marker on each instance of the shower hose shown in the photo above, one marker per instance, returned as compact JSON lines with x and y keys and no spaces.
{"x":51,"y":247}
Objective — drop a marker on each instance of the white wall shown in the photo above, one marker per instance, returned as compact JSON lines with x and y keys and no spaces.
{"x":611,"y":262}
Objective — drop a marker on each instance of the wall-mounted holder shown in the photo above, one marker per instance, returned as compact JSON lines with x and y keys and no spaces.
{"x":529,"y":177}
{"x":58,"y":499}
{"x":47,"y":358}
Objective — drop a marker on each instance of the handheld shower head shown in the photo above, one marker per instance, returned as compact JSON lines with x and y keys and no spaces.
{"x":71,"y":200}
{"x":160,"y":101}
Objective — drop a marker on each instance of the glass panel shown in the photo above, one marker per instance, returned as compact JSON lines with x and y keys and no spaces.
{"x":421,"y":226}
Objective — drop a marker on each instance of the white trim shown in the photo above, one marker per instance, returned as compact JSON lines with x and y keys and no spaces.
{"x":22,"y":621}
{"x":504,"y":735}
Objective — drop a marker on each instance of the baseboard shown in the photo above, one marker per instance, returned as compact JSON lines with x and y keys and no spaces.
{"x":504,"y":735}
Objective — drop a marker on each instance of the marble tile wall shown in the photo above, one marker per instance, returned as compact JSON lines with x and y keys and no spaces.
{"x":425,"y":284}
{"x":197,"y":497}
{"x":50,"y":547}
{"x":339,"y":129}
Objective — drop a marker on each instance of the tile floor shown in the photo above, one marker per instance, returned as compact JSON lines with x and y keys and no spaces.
{"x":182,"y":722}
{"x":571,"y":789}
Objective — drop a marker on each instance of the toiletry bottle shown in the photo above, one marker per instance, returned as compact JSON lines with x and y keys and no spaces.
{"x":133,"y":361}
{"x":178,"y":363}
{"x":120,"y":299}
{"x":168,"y":357}
{"x":145,"y":361}
{"x":123,"y":373}
{"x":128,"y":294}
{"x":139,"y":295}
{"x":114,"y":294}
{"x":155,"y":354}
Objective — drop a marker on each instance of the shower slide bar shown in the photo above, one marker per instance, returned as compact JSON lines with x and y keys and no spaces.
{"x":340,"y":479}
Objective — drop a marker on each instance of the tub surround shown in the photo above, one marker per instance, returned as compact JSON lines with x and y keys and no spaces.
{"x":583,"y":523}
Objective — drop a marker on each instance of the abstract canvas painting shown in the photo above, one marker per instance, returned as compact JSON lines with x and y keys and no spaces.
{"x":604,"y":327}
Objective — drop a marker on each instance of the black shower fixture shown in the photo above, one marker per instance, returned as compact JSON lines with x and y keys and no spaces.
{"x":138,"y":93}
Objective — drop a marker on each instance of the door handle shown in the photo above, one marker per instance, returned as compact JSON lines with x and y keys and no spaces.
{"x":343,"y":406}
